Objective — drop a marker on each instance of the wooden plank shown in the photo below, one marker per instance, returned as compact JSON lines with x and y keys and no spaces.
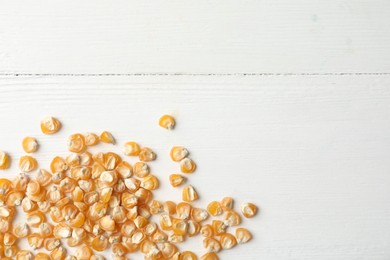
{"x":127,"y":36}
{"x":312,"y":152}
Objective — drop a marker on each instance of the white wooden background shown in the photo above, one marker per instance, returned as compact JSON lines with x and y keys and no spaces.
{"x":305,"y":135}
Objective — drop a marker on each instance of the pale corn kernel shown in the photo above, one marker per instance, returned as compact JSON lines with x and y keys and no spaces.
{"x":150,"y":182}
{"x":248,"y":210}
{"x":58,"y":164}
{"x":30,"y":144}
{"x":129,"y":200}
{"x":91,"y":139}
{"x":67,"y":185}
{"x":209,"y":256}
{"x":159,"y":236}
{"x":77,"y":221}
{"x":212,"y":245}
{"x":119,"y":214}
{"x":107,"y":223}
{"x":100,"y":243}
{"x":156,"y":207}
{"x":167,"y":122}
{"x":178,"y":153}
{"x":58,"y":253}
{"x":73,"y":160}
{"x":165,"y":222}
{"x":56,"y":214}
{"x":21,"y":230}
{"x":9,"y":239}
{"x":207,"y":231}
{"x":187,"y":165}
{"x":169,"y":207}
{"x":140,"y":222}
{"x":44,"y":206}
{"x":62,"y":230}
{"x":24,"y":255}
{"x":70,"y":257}
{"x":150,"y":228}
{"x":232,"y":218}
{"x":188,"y":255}
{"x":42,"y":256}
{"x":146,"y":155}
{"x":45,"y":229}
{"x":50,"y":125}
{"x":77,"y":194}
{"x":76,"y":143}
{"x":44,"y":177}
{"x":144,"y":211}
{"x":35,"y":218}
{"x":35,"y":241}
{"x":243,"y":235}
{"x":199,"y":215}
{"x":27,"y":164}
{"x":176,"y":179}
{"x":227,"y":203}
{"x":120,"y":186}
{"x":83,"y":253}
{"x":183,"y":210}
{"x":167,"y":249}
{"x":97,"y":257}
{"x":4,"y":161}
{"x":174,"y":238}
{"x":132,"y":184}
{"x":51,"y":243}
{"x":14,"y":198}
{"x":215,"y":208}
{"x":5,"y":212}
{"x":124,"y":170}
{"x":141,"y":169}
{"x":5,"y":225}
{"x":148,"y":247}
{"x":227,"y":241}
{"x":193,"y":228}
{"x":104,"y":195}
{"x":218,"y":227}
{"x":11,"y":251}
{"x":109,"y":178}
{"x":106,"y":137}
{"x":131,"y":149}
{"x":69,"y":211}
{"x":128,"y":228}
{"x":111,"y":160}
{"x":85,"y":159}
{"x":118,"y":249}
{"x":189,"y":194}
{"x":179,"y":226}
{"x":143,"y":195}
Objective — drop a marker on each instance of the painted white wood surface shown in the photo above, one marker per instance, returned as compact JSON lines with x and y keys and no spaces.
{"x":312,"y":152}
{"x":222,"y":36}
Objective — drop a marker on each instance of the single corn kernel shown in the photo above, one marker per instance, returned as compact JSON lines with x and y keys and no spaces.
{"x":207,"y":231}
{"x":248,"y":210}
{"x":165,"y":222}
{"x":58,"y":253}
{"x":45,"y":229}
{"x":42,"y":256}
{"x":76,"y":143}
{"x":35,"y":241}
{"x":146,"y":155}
{"x":106,"y":137}
{"x":100,"y":243}
{"x":215,"y":208}
{"x":193,"y":228}
{"x":107,"y":223}
{"x":212,"y":245}
{"x":209,"y":256}
{"x":30,"y":144}
{"x":176,"y":179}
{"x":4,"y":161}
{"x":227,"y":203}
{"x":183,"y":210}
{"x":83,"y":253}
{"x":58,"y":164}
{"x":169,"y":207}
{"x":14,"y":198}
{"x":141,"y":169}
{"x":131,"y":149}
{"x":167,"y":122}
{"x":91,"y":139}
{"x":21,"y":230}
{"x":156,"y":207}
{"x":178,"y":153}
{"x":35,"y":218}
{"x":124,"y":170}
{"x":167,"y":250}
{"x":232,"y":218}
{"x":228,"y":241}
{"x":24,"y":255}
{"x":50,"y":125}
{"x":218,"y":227}
{"x":187,"y":255}
{"x":179,"y":227}
{"x":174,"y":238}
{"x":62,"y":230}
{"x":150,"y":182}
{"x":27,"y":164}
{"x":199,"y":215}
{"x":243,"y":235}
{"x":9,"y":239}
{"x":189,"y":194}
{"x":119,"y":214}
{"x":187,"y":165}
{"x":118,"y":249}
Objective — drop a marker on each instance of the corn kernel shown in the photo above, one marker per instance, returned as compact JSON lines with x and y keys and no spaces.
{"x":76,"y":143}
{"x":248,"y":210}
{"x":243,"y":235}
{"x":188,"y":255}
{"x":215,"y":208}
{"x":187,"y":165}
{"x":189,"y":194}
{"x":50,"y":125}
{"x":27,"y":164}
{"x":141,"y":169}
{"x":178,"y":153}
{"x":150,"y":182}
{"x":91,"y":139}
{"x":232,"y":218}
{"x":30,"y":144}
{"x":131,"y":149}
{"x":176,"y":179}
{"x":146,"y":155}
{"x":212,"y":245}
{"x":4,"y":161}
{"x":209,"y":256}
{"x":167,"y":122}
{"x":228,"y":241}
{"x":227,"y":203}
{"x":106,"y":137}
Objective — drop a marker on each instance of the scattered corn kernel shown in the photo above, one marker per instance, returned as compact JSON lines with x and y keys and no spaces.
{"x":189,"y":194}
{"x":176,"y":179}
{"x":248,"y":210}
{"x":187,"y":165}
{"x":50,"y":125}
{"x":167,"y":122}
{"x":91,"y":139}
{"x":178,"y":153}
{"x":30,"y":144}
{"x":243,"y":235}
{"x":215,"y":208}
{"x":4,"y":161}
{"x":146,"y":155}
{"x":131,"y":149}
{"x":106,"y":137}
{"x":76,"y":143}
{"x":27,"y":164}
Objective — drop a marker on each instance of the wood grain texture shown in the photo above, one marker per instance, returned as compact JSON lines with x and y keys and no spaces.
{"x":221,"y":36}
{"x":312,"y":152}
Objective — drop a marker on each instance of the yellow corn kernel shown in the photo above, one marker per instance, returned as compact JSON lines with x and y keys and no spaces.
{"x":169,"y":207}
{"x":248,"y":210}
{"x":44,"y":206}
{"x":156,"y":207}
{"x":227,"y":203}
{"x":174,"y":238}
{"x":42,"y":256}
{"x":141,"y":169}
{"x":232,"y":218}
{"x":189,"y":194}
{"x":67,"y":185}
{"x":107,"y":223}
{"x":215,"y":208}
{"x":209,"y":256}
{"x":54,"y":194}
{"x":207,"y":231}
{"x":143,"y":195}
{"x":58,"y":164}
{"x":44,"y":177}
{"x":167,"y":122}
{"x":159,"y":236}
{"x":167,"y":250}
{"x":62,"y":230}
{"x":4,"y":161}
{"x":50,"y":125}
{"x":131,"y":149}
{"x":227,"y":241}
{"x":199,"y":215}
{"x":30,"y":144}
{"x":218,"y":227}
{"x":27,"y":164}
{"x":106,"y":137}
{"x":77,"y":221}
{"x":35,"y":218}
{"x":149,"y":248}
{"x":35,"y":241}
{"x":109,"y":178}
{"x":243,"y":235}
{"x":119,"y":214}
{"x":128,"y":228}
{"x":14,"y":198}
{"x":150,"y":182}
{"x":176,"y":179}
{"x":193,"y":228}
{"x":76,"y":143}
{"x":187,"y":165}
{"x":118,"y":249}
{"x":51,"y":243}
{"x":212,"y":245}
{"x":58,"y":253}
{"x":11,"y":251}
{"x":21,"y":230}
{"x":91,"y":139}
{"x":150,"y":228}
{"x":178,"y":153}
{"x":187,"y":255}
{"x":165,"y":222}
{"x":183,"y":210}
{"x":45,"y":229}
{"x":124,"y":170}
{"x":146,"y":155}
{"x":83,"y":253}
{"x":129,"y":200}
{"x":9,"y":239}
{"x":179,"y":226}
{"x":24,"y":255}
{"x":100,"y":243}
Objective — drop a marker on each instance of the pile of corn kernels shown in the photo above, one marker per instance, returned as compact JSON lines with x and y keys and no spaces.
{"x":98,"y":202}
